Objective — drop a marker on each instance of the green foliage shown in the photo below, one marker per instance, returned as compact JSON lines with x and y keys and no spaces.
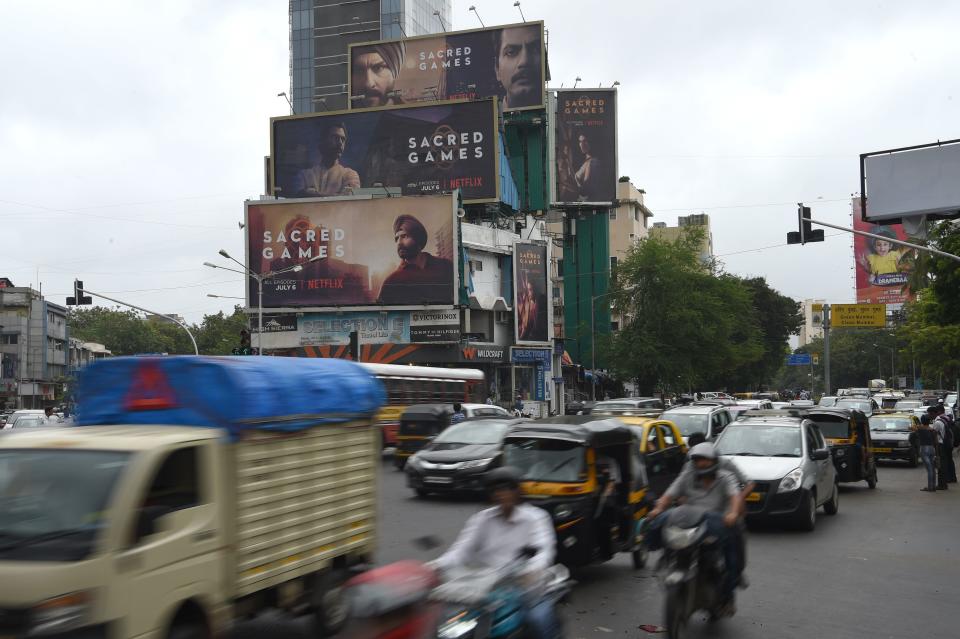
{"x":125,"y":332}
{"x":689,"y":327}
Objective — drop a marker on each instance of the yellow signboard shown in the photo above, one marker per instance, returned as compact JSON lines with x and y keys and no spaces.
{"x":816,"y":308}
{"x":858,"y":315}
{"x":816,"y":359}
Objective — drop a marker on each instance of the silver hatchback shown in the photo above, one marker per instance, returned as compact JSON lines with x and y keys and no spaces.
{"x":789,"y":462}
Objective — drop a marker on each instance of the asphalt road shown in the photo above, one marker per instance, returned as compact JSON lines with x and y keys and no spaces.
{"x":886,"y":566}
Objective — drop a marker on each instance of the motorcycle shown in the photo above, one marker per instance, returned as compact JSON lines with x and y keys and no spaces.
{"x":489,"y":603}
{"x":691,"y":569}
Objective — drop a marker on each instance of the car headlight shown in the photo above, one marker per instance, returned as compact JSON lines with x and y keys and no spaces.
{"x":476,"y":463}
{"x":60,"y":614}
{"x":792,"y":481}
{"x":563,"y":511}
{"x":903,"y":444}
{"x":680,"y":538}
{"x":457,"y":628}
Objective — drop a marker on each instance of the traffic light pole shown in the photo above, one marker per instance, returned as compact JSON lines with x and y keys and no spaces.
{"x":182,"y":325}
{"x":888,"y":239}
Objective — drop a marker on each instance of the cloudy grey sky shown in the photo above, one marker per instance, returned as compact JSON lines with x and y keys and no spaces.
{"x":132,"y":131}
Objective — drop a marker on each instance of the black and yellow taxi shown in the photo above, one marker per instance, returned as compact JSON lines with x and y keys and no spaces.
{"x":892,"y":435}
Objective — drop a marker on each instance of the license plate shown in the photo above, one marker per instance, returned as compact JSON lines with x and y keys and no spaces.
{"x":883,"y":450}
{"x":438,"y":480}
{"x":754,"y":497}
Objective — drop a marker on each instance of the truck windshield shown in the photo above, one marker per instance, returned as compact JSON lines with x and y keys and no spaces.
{"x":550,"y":460}
{"x":53,"y":502}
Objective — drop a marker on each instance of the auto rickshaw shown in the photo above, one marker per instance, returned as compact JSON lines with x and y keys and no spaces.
{"x":847,"y":432}
{"x":419,"y":424}
{"x":565,"y":464}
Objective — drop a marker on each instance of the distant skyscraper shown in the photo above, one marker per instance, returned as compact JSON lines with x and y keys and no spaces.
{"x":321,"y":32}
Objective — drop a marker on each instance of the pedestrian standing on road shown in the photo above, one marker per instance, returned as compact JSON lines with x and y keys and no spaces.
{"x":927,"y":442}
{"x":458,"y":414}
{"x":948,"y":466}
{"x":940,"y":428}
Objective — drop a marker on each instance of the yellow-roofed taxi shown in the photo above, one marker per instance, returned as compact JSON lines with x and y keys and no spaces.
{"x":586,"y":471}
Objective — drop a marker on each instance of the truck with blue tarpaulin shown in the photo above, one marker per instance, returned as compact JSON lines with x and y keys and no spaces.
{"x":193,"y":491}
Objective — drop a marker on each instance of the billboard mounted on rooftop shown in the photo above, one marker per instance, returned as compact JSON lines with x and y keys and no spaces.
{"x":911,"y":181}
{"x":354,"y":253}
{"x":420,"y":149}
{"x":586,"y":146}
{"x":507,"y":62}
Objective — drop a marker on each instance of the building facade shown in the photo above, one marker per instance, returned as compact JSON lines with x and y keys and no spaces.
{"x":321,"y":32}
{"x":660,"y":230}
{"x":812,"y":327}
{"x":34,"y":342}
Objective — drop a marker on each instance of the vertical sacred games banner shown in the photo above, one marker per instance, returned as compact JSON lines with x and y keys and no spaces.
{"x":530,"y":293}
{"x":507,"y":62}
{"x":586,"y":151}
{"x":422,"y":150}
{"x":392,"y":252}
{"x":883,"y":269}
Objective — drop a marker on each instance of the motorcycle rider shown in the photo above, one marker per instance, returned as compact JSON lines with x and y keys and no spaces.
{"x":496,"y":537}
{"x":717,"y":491}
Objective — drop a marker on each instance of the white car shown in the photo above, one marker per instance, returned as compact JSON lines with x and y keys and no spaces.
{"x":485,"y":410}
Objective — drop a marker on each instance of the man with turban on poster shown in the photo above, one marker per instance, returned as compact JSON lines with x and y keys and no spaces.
{"x":421,"y":277}
{"x":374,"y":73}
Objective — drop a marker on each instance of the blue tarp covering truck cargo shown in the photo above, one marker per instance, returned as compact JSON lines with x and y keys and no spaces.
{"x":233,"y":393}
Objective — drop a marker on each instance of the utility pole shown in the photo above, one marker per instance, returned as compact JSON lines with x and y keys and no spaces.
{"x":826,"y":349}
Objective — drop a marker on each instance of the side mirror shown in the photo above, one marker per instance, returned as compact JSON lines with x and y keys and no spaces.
{"x":821,"y":454}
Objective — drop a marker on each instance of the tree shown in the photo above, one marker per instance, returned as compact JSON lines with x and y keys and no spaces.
{"x":126,"y":332}
{"x":687,"y":326}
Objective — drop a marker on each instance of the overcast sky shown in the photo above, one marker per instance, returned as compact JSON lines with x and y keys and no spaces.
{"x":132,"y":131}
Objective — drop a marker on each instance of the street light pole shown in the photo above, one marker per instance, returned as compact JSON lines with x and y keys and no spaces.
{"x":296,"y":268}
{"x":593,"y":338}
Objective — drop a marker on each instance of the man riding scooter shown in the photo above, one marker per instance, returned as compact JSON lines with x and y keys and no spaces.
{"x":495,"y":537}
{"x":717,"y":491}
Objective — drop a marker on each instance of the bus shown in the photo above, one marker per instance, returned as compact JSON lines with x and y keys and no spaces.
{"x":407,"y":385}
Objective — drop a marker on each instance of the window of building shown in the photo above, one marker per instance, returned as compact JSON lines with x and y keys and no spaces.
{"x":10,"y":338}
{"x":613,"y":214}
{"x":560,"y":268}
{"x":476,"y":266}
{"x":636,"y":215}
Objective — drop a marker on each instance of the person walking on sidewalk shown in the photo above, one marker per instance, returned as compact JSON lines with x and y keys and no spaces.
{"x":940,"y":428}
{"x":927,"y":443}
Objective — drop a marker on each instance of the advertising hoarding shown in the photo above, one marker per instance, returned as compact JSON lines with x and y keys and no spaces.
{"x":506,"y":62}
{"x":883,"y":269}
{"x":422,"y":150}
{"x":911,"y":181}
{"x":530,"y":293}
{"x":393,"y":252}
{"x":373,"y":327}
{"x":586,"y":146}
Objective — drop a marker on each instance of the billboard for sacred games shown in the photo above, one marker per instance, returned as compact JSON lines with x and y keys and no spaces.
{"x":507,"y":62}
{"x":530,"y":293}
{"x":422,"y":150}
{"x":586,"y":146}
{"x":354,"y":253}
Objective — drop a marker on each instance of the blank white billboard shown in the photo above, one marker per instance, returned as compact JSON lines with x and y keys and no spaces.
{"x":918,"y":181}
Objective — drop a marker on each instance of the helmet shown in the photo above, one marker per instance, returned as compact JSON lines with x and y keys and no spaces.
{"x":705,"y":450}
{"x":504,"y":477}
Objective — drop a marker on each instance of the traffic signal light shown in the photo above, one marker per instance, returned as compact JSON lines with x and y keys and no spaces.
{"x":806,"y":232}
{"x":78,"y":298}
{"x":355,"y":346}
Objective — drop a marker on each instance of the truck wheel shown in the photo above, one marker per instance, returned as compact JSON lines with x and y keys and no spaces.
{"x":330,"y":608}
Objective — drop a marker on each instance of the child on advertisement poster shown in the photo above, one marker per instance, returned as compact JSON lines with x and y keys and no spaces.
{"x":885,"y":263}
